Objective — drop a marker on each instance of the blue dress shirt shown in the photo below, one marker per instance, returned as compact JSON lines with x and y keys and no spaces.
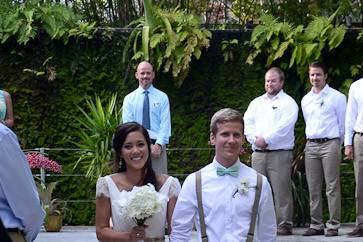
{"x":132,"y":110}
{"x":19,"y":202}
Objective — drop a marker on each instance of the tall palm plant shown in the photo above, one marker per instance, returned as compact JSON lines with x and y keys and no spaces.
{"x":95,"y":135}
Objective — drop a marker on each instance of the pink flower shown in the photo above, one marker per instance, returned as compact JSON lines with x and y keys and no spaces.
{"x":37,"y":160}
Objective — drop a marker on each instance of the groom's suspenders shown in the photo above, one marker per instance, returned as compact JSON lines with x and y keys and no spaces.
{"x":198,"y":189}
{"x":251,"y":231}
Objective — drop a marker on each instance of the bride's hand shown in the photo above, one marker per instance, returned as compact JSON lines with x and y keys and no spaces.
{"x":137,"y":233}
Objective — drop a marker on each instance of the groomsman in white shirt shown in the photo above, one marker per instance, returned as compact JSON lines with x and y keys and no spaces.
{"x":269,"y":127}
{"x":228,"y":192}
{"x":150,"y":107}
{"x":324,"y":113}
{"x":353,"y":142}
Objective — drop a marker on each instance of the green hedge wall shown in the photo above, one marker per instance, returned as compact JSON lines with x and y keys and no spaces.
{"x":45,"y":105}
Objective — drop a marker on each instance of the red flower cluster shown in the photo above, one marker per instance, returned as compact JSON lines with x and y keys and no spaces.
{"x":37,"y":160}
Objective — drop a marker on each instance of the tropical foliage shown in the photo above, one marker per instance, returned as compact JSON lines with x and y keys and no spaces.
{"x":167,"y":38}
{"x":25,"y":20}
{"x":95,"y":136}
{"x":233,"y":13}
{"x":300,"y":46}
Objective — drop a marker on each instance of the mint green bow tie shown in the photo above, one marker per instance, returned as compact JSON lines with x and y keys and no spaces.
{"x":232,"y":171}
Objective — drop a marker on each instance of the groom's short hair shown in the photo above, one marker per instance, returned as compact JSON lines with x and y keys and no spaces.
{"x":225,"y":115}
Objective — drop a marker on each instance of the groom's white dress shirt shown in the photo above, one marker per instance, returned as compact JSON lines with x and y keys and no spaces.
{"x":227,"y":217}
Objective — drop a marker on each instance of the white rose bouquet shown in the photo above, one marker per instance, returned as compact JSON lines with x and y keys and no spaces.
{"x":143,"y":203}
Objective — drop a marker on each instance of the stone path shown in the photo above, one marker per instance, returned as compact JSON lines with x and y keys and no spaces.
{"x":88,"y":234}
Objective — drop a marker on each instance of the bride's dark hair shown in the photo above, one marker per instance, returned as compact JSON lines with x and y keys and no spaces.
{"x":119,"y":137}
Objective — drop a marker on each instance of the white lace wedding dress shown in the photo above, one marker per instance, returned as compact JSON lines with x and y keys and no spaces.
{"x":156,"y":224}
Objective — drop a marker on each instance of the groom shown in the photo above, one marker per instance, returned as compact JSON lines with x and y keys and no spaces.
{"x":226,"y":194}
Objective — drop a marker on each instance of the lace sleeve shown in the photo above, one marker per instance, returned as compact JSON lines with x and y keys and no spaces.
{"x":175,"y":188}
{"x":102,"y":188}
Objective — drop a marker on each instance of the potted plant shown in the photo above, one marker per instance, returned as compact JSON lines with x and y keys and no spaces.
{"x":54,"y":208}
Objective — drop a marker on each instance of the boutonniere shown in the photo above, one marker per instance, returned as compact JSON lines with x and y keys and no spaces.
{"x":274,"y":107}
{"x":156,"y":104}
{"x":243,"y":187}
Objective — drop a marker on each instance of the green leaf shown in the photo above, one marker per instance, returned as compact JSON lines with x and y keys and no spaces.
{"x":299,"y":54}
{"x":234,"y":41}
{"x":207,"y":33}
{"x":155,"y":40}
{"x":309,"y":48}
{"x":293,"y":57}
{"x":29,"y":15}
{"x":355,"y":70}
{"x":137,"y":55}
{"x":252,"y":56}
{"x":197,"y":53}
{"x":257,"y":32}
{"x":336,"y":36}
{"x":282,"y":48}
{"x":275,"y":43}
{"x":182,"y":35}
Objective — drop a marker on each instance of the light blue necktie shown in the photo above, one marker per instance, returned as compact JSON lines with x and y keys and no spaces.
{"x":232,"y":171}
{"x":146,"y":111}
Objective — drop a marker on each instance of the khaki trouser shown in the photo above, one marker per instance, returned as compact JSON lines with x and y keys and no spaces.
{"x":160,"y":164}
{"x":358,"y":173}
{"x":323,"y":160}
{"x":16,"y":237}
{"x":276,"y":166}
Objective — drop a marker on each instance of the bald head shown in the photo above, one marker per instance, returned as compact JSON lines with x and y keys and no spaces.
{"x":144,"y":64}
{"x":145,"y":74}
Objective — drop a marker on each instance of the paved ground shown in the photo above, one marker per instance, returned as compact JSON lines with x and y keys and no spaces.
{"x":87,"y":234}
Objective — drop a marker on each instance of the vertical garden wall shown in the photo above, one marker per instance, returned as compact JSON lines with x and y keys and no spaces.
{"x":49,"y":79}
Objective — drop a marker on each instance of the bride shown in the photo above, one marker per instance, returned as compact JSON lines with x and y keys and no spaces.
{"x":131,"y":144}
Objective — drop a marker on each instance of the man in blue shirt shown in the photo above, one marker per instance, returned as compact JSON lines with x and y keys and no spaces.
{"x":20,"y":209}
{"x":150,"y":107}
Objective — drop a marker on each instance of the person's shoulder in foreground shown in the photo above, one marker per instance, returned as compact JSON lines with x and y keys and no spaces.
{"x":19,"y":200}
